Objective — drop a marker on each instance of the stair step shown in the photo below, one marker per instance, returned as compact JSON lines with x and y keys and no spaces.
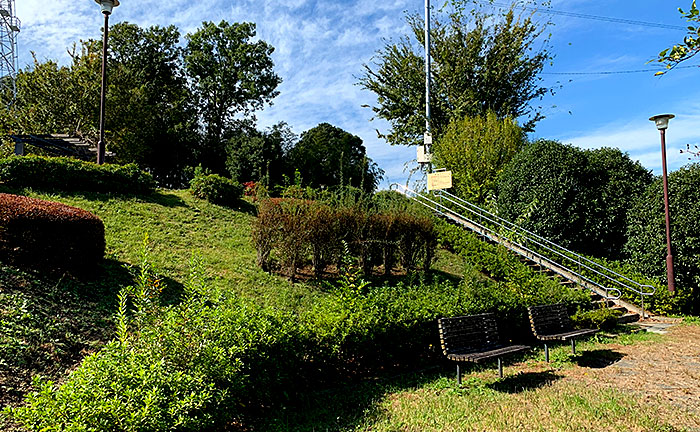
{"x":620,"y":309}
{"x":604,"y":303}
{"x":628,"y":318}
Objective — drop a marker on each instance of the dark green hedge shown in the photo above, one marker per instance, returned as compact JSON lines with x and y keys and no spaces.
{"x":48,"y":235}
{"x":646,"y":245}
{"x":66,"y":174}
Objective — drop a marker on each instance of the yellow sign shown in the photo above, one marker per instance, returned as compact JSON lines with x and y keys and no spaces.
{"x":440,"y":180}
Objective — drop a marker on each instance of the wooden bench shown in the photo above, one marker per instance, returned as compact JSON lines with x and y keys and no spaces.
{"x":473,"y":338}
{"x":552,"y":322}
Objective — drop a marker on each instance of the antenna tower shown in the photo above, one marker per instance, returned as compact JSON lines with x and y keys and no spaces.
{"x":9,"y":27}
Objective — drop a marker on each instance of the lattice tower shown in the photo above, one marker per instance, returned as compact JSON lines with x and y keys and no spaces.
{"x":9,"y":28}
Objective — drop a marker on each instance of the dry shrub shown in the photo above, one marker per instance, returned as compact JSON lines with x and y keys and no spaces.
{"x":49,"y":235}
{"x":298,"y":231}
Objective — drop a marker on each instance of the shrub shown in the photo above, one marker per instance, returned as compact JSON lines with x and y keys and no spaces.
{"x":646,"y":245}
{"x":66,"y":174}
{"x":302,"y":230}
{"x":216,"y":189}
{"x":50,"y":235}
{"x":603,"y":319}
{"x":575,"y":198}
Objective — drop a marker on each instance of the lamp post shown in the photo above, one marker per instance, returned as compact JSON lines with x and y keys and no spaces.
{"x":661,"y":122}
{"x":106,"y":6}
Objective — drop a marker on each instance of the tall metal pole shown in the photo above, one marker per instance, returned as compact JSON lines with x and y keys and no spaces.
{"x":103,"y":92}
{"x":427,"y":83}
{"x":669,"y":256}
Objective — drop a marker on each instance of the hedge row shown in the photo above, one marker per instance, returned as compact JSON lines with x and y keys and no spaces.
{"x":298,"y":232}
{"x":49,"y":235}
{"x":66,"y":174}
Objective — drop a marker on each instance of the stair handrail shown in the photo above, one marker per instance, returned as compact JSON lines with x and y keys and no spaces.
{"x":640,"y":288}
{"x":435,"y":207}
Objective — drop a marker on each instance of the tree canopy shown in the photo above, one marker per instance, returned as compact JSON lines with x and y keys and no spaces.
{"x":328,"y":156}
{"x":480,"y":63}
{"x":476,"y":149}
{"x":232,"y":76}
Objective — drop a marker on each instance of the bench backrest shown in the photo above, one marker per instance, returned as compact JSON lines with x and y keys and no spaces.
{"x":549,"y":319}
{"x":465,"y":334}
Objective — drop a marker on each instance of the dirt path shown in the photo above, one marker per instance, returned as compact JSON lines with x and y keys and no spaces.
{"x":668,"y":370}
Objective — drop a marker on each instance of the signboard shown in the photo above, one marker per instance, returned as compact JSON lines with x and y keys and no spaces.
{"x":440,"y":180}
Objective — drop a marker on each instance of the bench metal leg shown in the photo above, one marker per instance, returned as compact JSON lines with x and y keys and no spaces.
{"x":459,"y":375}
{"x":500,"y":368}
{"x":573,"y":346}
{"x":546,"y":353}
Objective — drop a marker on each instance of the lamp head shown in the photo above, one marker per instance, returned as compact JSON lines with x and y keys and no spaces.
{"x":661,"y":120}
{"x":107,"y":5}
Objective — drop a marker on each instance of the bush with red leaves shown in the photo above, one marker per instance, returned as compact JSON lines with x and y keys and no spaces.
{"x":48,"y":235}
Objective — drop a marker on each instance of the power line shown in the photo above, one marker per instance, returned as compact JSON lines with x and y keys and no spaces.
{"x":590,"y":17}
{"x":615,"y":72}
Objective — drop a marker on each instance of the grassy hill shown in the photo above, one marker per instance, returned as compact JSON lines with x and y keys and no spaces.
{"x":51,"y":322}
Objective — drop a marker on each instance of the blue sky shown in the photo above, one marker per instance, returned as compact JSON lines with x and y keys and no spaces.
{"x":320,"y":48}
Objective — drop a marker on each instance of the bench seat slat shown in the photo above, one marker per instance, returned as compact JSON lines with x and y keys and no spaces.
{"x":567,"y":335}
{"x":477,"y":357}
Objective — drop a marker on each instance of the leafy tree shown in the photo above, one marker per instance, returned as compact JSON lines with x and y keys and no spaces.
{"x":259,"y":156}
{"x":476,"y":149}
{"x":690,"y":46}
{"x":232,"y":76}
{"x":329,"y":156}
{"x":573,"y":197}
{"x":646,"y":245}
{"x":150,"y":116}
{"x":480,"y":63}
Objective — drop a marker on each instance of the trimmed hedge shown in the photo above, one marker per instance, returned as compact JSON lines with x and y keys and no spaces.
{"x":66,"y":174}
{"x":297,"y":231}
{"x":216,"y":189}
{"x":49,"y":235}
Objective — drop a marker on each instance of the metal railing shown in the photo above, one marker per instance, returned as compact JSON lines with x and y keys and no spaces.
{"x":532,"y":246}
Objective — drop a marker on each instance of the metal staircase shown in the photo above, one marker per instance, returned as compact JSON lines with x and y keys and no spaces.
{"x":538,"y":251}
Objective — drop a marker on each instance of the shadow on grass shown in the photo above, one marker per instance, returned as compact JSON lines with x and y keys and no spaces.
{"x":341,"y":408}
{"x":525,"y":381}
{"x":597,"y":359}
{"x":160,"y":198}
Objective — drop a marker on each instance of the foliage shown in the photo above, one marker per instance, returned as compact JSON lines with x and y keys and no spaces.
{"x":328,"y":156}
{"x":690,"y":46}
{"x":604,"y":318}
{"x":516,"y":286}
{"x":215,"y":188}
{"x":66,"y":174}
{"x":233,"y":75}
{"x":151,"y":119}
{"x":480,"y":62}
{"x":259,"y":156}
{"x":646,"y":245}
{"x":576,"y":198}
{"x":294,"y":229}
{"x":49,"y":235}
{"x":476,"y":149}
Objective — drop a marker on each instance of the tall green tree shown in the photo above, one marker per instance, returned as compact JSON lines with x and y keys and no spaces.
{"x":255,"y":155}
{"x":480,"y":63}
{"x":476,"y":149}
{"x":150,"y":118}
{"x":328,"y":156}
{"x":232,"y":76}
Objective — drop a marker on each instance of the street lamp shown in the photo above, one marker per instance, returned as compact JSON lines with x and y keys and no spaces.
{"x":661,"y":122}
{"x":106,"y":6}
